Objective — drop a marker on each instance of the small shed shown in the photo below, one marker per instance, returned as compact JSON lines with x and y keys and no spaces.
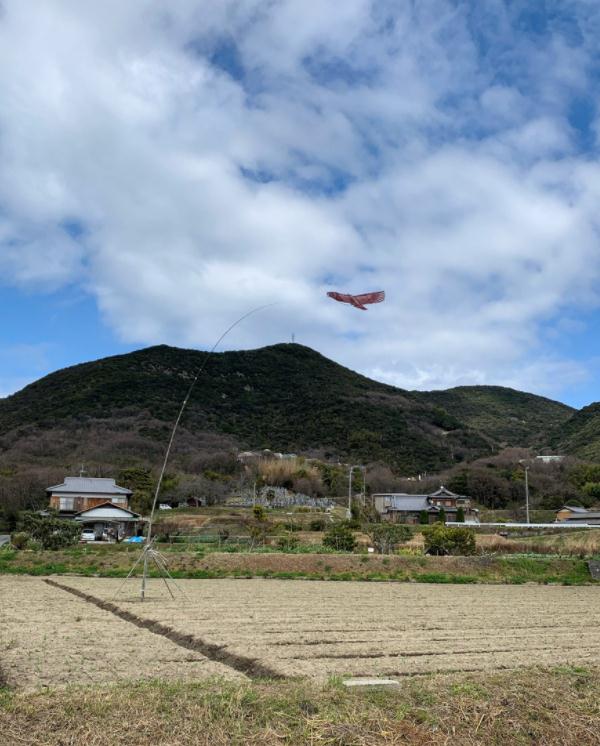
{"x":112,"y":521}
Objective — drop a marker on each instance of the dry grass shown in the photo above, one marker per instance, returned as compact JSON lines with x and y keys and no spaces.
{"x":568,"y":543}
{"x":278,"y":471}
{"x":494,"y":544}
{"x":183,"y":522}
{"x":558,"y":707}
{"x":585,"y":542}
{"x":187,"y":561}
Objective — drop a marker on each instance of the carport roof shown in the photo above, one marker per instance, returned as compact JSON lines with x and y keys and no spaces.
{"x":107,"y":512}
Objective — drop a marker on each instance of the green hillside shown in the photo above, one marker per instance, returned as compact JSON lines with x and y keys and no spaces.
{"x":511,"y":417}
{"x":580,"y":434}
{"x":285,"y":397}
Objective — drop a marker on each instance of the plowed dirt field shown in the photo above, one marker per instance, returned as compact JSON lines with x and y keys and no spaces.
{"x":300,"y":628}
{"x":48,"y":637}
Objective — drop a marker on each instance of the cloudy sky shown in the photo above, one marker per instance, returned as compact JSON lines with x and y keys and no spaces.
{"x":166,"y":166}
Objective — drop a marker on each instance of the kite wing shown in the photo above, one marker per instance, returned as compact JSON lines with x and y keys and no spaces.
{"x":359,"y":301}
{"x":341,"y":297}
{"x":367,"y":298}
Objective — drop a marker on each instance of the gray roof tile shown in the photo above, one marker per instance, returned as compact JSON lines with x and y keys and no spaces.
{"x":82,"y":485}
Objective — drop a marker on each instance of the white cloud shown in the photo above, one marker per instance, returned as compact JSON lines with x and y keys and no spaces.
{"x":547,"y":377}
{"x":388,"y":147}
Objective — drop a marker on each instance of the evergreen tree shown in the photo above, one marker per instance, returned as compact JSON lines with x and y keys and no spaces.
{"x":385,"y":537}
{"x":340,"y":537}
{"x":440,"y":540}
{"x":50,"y":531}
{"x":141,"y":482}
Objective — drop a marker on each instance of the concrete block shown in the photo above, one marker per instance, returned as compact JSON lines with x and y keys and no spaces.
{"x":370,"y":682}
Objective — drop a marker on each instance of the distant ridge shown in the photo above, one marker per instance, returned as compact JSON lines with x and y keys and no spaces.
{"x":580,"y":434}
{"x":287,"y":397}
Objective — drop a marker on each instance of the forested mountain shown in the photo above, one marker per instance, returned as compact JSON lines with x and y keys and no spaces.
{"x":579,"y":435}
{"x":119,"y":410}
{"x":514,"y":418}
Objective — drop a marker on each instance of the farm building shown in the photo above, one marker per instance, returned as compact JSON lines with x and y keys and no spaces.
{"x":77,"y":494}
{"x":110,"y":521}
{"x":399,"y":507}
{"x":575,"y":514}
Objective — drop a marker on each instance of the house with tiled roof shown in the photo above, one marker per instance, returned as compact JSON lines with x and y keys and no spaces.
{"x":579,"y":515}
{"x":400,"y":507}
{"x":77,"y":494}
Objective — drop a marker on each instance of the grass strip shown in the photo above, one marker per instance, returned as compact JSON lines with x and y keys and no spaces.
{"x":336,"y":567}
{"x":524,"y":707}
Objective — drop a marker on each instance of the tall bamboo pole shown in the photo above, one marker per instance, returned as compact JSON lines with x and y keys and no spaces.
{"x":147,"y":546}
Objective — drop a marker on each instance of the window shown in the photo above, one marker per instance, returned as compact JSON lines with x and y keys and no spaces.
{"x":66,"y":503}
{"x":119,"y":500}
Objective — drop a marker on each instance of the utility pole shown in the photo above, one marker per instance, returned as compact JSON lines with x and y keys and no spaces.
{"x":349,"y":509}
{"x":522,"y":461}
{"x":364,"y":485}
{"x":527,"y":494}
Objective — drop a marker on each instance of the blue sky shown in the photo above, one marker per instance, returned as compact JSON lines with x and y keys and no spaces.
{"x":44,"y":332}
{"x":166,"y":168}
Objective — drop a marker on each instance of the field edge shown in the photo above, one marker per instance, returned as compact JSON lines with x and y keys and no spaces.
{"x":536,"y":705}
{"x":511,"y":569}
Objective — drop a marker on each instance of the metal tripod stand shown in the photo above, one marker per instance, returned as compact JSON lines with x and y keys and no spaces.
{"x":147,"y":556}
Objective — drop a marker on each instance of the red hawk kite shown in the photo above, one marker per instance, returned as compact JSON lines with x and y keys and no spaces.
{"x":359,"y":301}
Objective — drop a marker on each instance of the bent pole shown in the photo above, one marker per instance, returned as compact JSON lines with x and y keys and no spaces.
{"x":176,"y":425}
